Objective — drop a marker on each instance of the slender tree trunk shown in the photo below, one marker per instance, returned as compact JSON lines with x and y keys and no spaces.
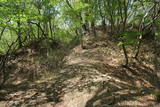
{"x":104,"y":25}
{"x":93,"y":29}
{"x":19,"y":34}
{"x":102,"y":17}
{"x":50,"y":27}
{"x":123,"y":46}
{"x":3,"y":74}
{"x":38,"y":31}
{"x":39,"y":26}
{"x":2,"y":32}
{"x":124,"y":28}
{"x":125,"y":54}
{"x":45,"y":29}
{"x":138,"y":49}
{"x":29,"y":31}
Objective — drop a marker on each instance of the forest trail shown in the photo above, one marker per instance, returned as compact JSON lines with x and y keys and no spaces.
{"x":100,"y":81}
{"x":70,"y":53}
{"x":90,"y":77}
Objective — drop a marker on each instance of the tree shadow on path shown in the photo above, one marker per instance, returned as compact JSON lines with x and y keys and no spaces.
{"x":126,"y":87}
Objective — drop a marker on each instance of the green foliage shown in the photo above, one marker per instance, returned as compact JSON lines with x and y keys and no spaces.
{"x":129,"y":38}
{"x":157,"y":95}
{"x":79,"y":6}
{"x":66,"y":36}
{"x":60,"y":19}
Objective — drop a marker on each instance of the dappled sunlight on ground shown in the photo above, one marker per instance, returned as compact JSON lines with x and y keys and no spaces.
{"x":88,"y":78}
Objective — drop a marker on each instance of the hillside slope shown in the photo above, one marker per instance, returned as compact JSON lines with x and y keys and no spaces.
{"x":91,"y":77}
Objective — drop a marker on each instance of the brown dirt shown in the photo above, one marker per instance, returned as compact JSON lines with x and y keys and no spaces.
{"x":90,"y":77}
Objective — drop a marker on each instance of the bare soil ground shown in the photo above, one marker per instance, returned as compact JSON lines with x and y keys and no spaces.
{"x":90,"y":77}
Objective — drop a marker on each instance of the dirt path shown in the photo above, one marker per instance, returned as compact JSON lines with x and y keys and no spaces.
{"x":89,"y":78}
{"x":99,"y":81}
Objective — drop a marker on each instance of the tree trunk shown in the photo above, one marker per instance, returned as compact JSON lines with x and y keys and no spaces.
{"x":50,"y":27}
{"x":19,"y":34}
{"x":125,"y":54}
{"x":124,"y":29}
{"x":2,"y":32}
{"x":38,"y":31}
{"x":93,"y":29}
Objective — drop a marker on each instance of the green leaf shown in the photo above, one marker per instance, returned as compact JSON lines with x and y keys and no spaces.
{"x":120,"y":43}
{"x":80,"y":6}
{"x":130,"y":35}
